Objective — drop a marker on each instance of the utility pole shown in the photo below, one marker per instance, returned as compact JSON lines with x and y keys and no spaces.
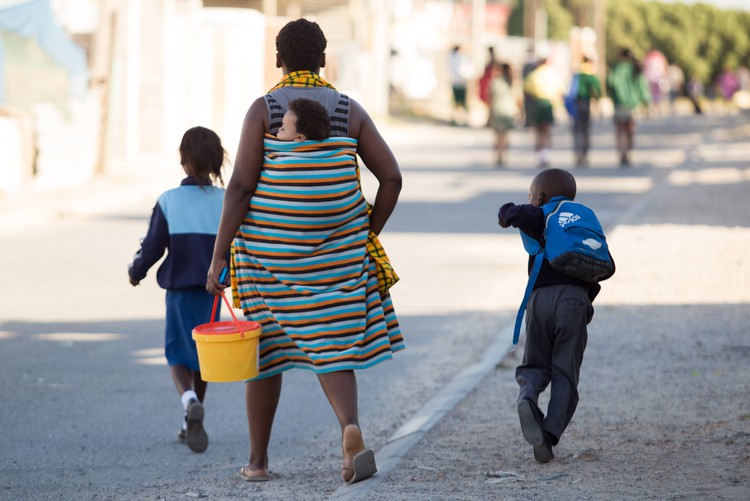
{"x":530,"y":14}
{"x":600,"y":27}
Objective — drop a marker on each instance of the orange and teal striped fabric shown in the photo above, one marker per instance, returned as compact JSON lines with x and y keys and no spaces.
{"x":301,"y":265}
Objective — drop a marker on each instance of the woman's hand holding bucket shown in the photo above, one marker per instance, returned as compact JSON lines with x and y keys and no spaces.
{"x":216,"y":280}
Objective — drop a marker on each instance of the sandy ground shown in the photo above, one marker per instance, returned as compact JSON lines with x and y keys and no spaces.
{"x":664,"y":408}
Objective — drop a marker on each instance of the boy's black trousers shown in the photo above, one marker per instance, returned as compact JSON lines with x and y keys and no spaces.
{"x":556,"y":319}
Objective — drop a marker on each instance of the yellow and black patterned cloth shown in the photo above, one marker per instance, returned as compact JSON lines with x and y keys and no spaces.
{"x":301,"y":79}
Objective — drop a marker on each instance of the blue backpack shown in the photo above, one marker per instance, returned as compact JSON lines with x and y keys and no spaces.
{"x":574,"y":245}
{"x":571,"y":98}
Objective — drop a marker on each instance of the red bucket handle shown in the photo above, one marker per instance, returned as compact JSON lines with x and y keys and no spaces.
{"x":229,"y":306}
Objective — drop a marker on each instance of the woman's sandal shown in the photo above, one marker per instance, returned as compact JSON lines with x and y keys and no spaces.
{"x":362,"y":460}
{"x":249,"y":475}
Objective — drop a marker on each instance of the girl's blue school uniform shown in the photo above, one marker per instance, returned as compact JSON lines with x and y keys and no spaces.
{"x":184,"y":223}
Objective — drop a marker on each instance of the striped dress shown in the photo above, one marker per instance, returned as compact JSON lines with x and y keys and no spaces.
{"x":301,"y":266}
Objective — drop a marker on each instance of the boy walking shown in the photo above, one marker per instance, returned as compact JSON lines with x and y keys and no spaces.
{"x":557,"y":313}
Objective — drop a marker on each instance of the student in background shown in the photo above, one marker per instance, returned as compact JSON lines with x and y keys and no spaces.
{"x":503,"y":108}
{"x":628,"y":89}
{"x":545,"y":86}
{"x":589,"y":88}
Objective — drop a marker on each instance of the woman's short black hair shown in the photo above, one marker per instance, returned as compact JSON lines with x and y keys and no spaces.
{"x":202,"y":155}
{"x":300,"y":45}
{"x":312,"y":118}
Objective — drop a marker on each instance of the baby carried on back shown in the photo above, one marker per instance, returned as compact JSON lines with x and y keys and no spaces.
{"x":309,"y":202}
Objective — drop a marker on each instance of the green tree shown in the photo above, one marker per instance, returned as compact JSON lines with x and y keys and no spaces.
{"x":559,"y":19}
{"x":699,"y":38}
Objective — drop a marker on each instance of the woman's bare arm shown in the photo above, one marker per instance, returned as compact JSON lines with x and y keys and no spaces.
{"x":240,"y":189}
{"x":378,"y":158}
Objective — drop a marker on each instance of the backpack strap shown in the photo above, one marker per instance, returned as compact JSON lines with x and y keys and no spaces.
{"x":538,"y":258}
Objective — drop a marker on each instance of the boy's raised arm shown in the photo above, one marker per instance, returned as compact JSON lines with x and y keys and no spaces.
{"x":527,"y":218}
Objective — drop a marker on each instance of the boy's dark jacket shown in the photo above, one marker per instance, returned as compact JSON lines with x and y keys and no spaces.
{"x":530,"y":220}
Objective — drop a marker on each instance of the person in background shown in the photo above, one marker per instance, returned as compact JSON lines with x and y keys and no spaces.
{"x":676,"y":84}
{"x":589,"y":89}
{"x":654,"y":68}
{"x":695,"y":92}
{"x":628,"y":89}
{"x":484,"y":81}
{"x":503,"y":108}
{"x":184,"y":222}
{"x":528,"y":100}
{"x":547,"y":89}
{"x":727,"y":83}
{"x":460,"y":72}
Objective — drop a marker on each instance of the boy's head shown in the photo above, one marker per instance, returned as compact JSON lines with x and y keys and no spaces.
{"x":551,"y":183}
{"x":305,"y":120}
{"x":202,"y":155}
{"x":300,"y":46}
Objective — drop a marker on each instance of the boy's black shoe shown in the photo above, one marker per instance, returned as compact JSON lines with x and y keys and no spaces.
{"x":182,"y":434}
{"x":624,"y":160}
{"x":543,"y":453}
{"x":531,"y":422}
{"x":197,"y":439}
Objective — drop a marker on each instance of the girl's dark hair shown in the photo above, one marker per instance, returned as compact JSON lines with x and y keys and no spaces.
{"x":202,"y":155}
{"x":507,"y":73}
{"x":300,"y":45}
{"x":312,"y":118}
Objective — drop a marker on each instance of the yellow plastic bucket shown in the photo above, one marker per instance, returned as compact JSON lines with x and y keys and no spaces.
{"x":227,"y":351}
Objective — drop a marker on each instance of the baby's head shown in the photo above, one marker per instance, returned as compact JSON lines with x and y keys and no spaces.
{"x":551,"y":183}
{"x":305,"y":120}
{"x":202,"y":156}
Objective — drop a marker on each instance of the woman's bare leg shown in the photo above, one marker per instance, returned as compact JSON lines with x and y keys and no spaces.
{"x":341,"y":389}
{"x":261,"y":400}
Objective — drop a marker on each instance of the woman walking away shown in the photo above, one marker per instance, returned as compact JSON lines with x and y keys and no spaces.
{"x":301,"y":262}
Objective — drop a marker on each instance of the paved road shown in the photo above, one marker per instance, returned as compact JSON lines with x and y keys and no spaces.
{"x":89,"y":410}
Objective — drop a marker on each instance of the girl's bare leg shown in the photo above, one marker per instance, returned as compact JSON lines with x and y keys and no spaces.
{"x":186,"y":379}
{"x":199,"y":385}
